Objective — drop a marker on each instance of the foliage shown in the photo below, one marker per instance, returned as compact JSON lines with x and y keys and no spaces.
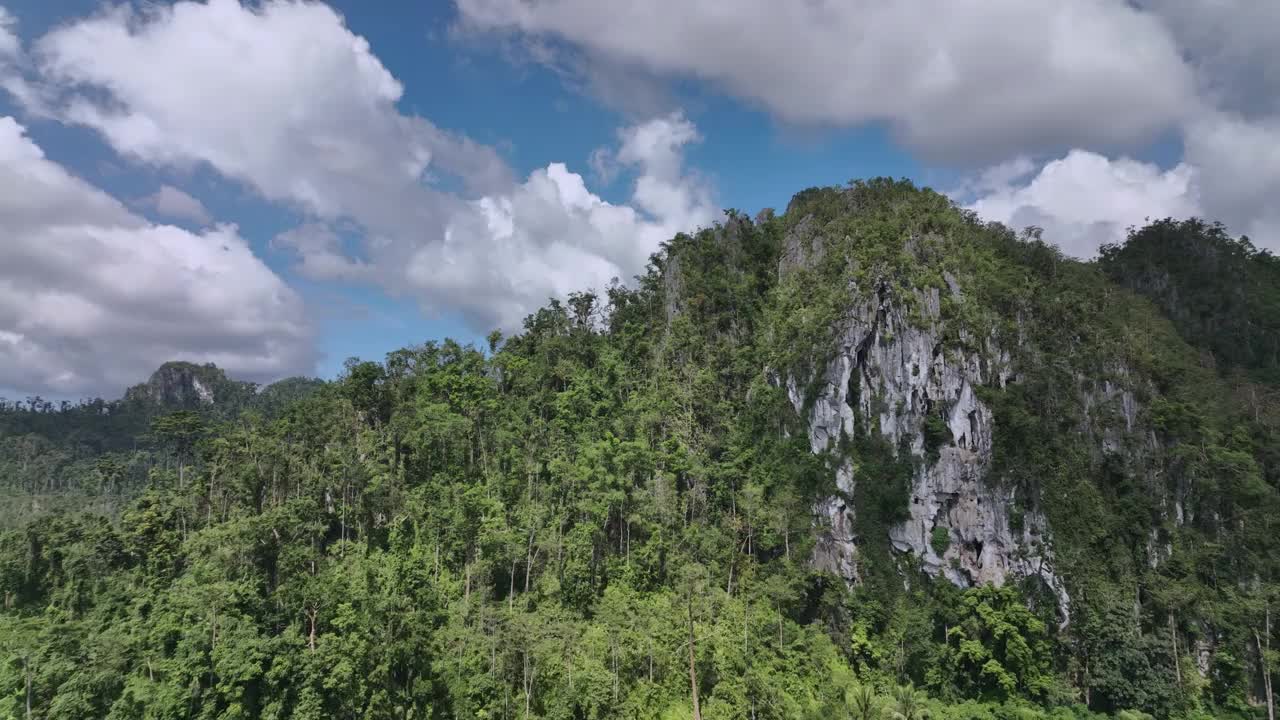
{"x":940,"y":540}
{"x":97,"y":455}
{"x":609,"y":514}
{"x":1222,"y":293}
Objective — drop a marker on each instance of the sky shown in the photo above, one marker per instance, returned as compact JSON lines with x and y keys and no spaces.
{"x":278,"y":185}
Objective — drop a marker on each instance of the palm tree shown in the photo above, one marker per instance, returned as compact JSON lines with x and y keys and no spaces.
{"x":908,"y":704}
{"x":863,"y":702}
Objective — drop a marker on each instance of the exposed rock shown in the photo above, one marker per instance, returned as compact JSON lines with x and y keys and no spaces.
{"x":180,"y":385}
{"x":900,"y":373}
{"x":1111,"y":409}
{"x":1204,"y":656}
{"x":802,"y":247}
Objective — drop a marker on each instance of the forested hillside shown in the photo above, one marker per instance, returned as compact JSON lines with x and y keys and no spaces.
{"x":98,"y":454}
{"x":1222,"y":293}
{"x":870,"y":457}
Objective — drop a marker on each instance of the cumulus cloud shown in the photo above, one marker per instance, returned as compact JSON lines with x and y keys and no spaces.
{"x":1239,"y":166}
{"x":93,"y":297}
{"x":977,"y":82}
{"x":321,"y":253}
{"x":1230,"y":173}
{"x":956,"y":79}
{"x":280,"y":96}
{"x":10,"y":46}
{"x":1232,"y":47}
{"x":1084,"y":199}
{"x":12,"y":63}
{"x":504,"y":254}
{"x":315,"y":123}
{"x":173,"y":203}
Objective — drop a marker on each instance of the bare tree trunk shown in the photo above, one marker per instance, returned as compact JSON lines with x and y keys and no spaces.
{"x":693,"y":672}
{"x":528,"y":685}
{"x":651,"y":660}
{"x":311,"y":633}
{"x":213,"y":474}
{"x":1088,"y":686}
{"x":560,"y":546}
{"x":511,"y":587}
{"x":1173,"y":638}
{"x":1266,"y":671}
{"x":779,"y":630}
{"x":528,"y":563}
{"x":26,"y":670}
{"x":1271,"y":702}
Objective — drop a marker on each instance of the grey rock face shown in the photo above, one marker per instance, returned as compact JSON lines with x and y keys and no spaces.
{"x":180,"y":385}
{"x":903,"y":373}
{"x":1113,"y":419}
{"x":803,"y":246}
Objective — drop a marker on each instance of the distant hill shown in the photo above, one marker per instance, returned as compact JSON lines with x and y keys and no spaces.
{"x":184,"y":385}
{"x":1222,"y":293}
{"x":97,"y":453}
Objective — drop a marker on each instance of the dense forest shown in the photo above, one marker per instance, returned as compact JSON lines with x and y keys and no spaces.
{"x":870,"y":457}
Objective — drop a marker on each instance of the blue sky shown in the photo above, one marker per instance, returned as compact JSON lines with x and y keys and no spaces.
{"x":660,"y":118}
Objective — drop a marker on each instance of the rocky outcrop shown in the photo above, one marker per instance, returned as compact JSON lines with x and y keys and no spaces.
{"x":960,"y":526}
{"x":1113,"y":419}
{"x":893,"y":373}
{"x":804,"y":246}
{"x":180,"y":385}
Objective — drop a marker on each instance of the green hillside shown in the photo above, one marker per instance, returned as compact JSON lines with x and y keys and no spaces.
{"x":867,"y":456}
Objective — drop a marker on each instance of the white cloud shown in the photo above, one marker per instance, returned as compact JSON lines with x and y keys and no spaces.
{"x":282,"y":97}
{"x":1239,"y":165}
{"x":505,"y":254}
{"x":978,"y":80}
{"x":12,"y":63}
{"x":10,"y":46}
{"x":1232,"y":44}
{"x":997,"y":177}
{"x":173,"y":203}
{"x":321,"y":254}
{"x":1084,"y":199}
{"x":1230,"y":173}
{"x":954,"y":78}
{"x":93,"y":297}
{"x":603,"y":168}
{"x":315,"y":123}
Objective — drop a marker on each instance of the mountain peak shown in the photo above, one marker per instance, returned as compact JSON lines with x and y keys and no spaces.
{"x":182,"y":385}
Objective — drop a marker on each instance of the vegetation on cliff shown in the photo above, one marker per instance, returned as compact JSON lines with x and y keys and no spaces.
{"x":611,"y":513}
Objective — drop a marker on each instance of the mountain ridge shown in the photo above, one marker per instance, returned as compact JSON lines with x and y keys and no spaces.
{"x":867,"y":442}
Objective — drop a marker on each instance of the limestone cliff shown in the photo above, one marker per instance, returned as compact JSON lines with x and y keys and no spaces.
{"x":895,"y":369}
{"x":184,"y":385}
{"x":894,"y":375}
